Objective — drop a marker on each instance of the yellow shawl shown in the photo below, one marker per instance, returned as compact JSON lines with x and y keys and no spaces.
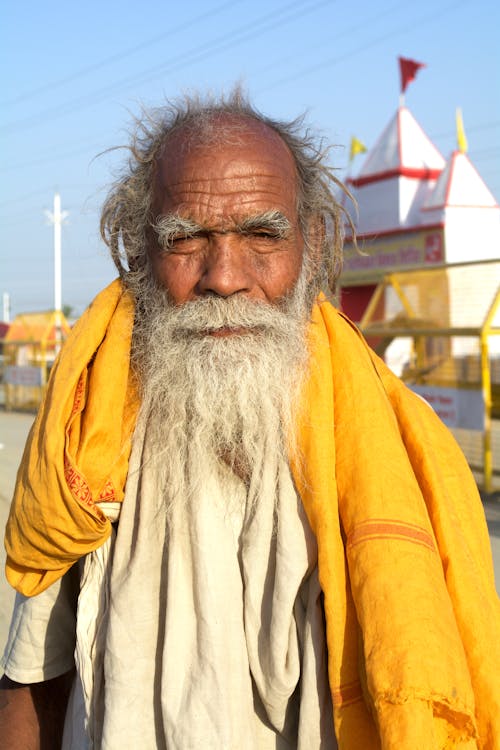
{"x":412,"y":616}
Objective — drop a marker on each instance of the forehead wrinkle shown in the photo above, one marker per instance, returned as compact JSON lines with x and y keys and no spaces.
{"x":215,"y":185}
{"x":192,"y":202}
{"x":236,"y":183}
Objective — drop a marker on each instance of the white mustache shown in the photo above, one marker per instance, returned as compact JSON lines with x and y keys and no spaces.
{"x":214,"y":313}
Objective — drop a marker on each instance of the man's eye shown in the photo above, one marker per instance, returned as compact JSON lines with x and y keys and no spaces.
{"x":180,"y":243}
{"x":265,"y":241}
{"x":266,"y":234}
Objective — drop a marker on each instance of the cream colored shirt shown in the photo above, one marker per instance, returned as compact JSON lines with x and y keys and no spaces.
{"x":212,"y":633}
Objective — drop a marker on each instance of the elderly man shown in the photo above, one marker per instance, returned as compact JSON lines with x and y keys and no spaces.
{"x":300,"y":559}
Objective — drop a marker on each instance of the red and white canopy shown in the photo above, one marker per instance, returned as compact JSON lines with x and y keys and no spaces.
{"x":402,"y":150}
{"x":460,"y":185}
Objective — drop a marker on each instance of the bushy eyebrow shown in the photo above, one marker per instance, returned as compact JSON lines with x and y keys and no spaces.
{"x":272,"y":221}
{"x":172,"y":227}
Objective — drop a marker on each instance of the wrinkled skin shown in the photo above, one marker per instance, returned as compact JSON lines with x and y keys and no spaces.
{"x":218,"y":187}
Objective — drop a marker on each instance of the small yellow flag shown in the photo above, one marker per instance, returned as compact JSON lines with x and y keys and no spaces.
{"x":357,"y":147}
{"x":461,"y":137}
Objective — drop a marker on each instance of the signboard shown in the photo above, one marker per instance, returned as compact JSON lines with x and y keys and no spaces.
{"x":385,"y":254}
{"x":462,"y":408}
{"x":23,"y":375}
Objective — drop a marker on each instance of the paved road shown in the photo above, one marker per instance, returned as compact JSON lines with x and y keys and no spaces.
{"x":14,"y":428}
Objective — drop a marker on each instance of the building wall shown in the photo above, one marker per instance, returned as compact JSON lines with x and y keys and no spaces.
{"x":472,"y":234}
{"x":354,"y":300}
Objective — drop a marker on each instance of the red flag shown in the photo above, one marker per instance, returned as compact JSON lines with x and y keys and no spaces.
{"x":408,"y":70}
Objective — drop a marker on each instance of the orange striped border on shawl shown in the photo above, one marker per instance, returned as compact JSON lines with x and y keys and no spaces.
{"x":345,"y":695}
{"x":384,"y":528}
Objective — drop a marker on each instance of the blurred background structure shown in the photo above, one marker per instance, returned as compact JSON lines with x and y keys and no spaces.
{"x":425,"y":288}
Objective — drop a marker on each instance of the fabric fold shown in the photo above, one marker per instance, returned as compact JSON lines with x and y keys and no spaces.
{"x":78,"y":449}
{"x":397,"y":516}
{"x":412,"y":615}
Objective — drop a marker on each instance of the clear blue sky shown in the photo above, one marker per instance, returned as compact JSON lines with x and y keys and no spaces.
{"x":74,"y":73}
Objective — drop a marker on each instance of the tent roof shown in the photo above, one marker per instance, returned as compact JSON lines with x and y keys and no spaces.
{"x":402,"y":150}
{"x":459,"y":184}
{"x":37,"y":326}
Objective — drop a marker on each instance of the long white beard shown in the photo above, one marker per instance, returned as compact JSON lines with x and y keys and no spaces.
{"x":212,"y":402}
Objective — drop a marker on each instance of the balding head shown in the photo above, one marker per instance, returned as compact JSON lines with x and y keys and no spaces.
{"x":129,"y":210}
{"x":225,"y":213}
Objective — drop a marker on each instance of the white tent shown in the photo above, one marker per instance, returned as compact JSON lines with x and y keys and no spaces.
{"x":467,"y":209}
{"x":406,"y":186}
{"x":402,"y":149}
{"x":397,"y":176}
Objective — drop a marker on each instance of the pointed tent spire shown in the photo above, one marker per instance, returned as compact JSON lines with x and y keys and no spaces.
{"x":460,"y":185}
{"x":404,"y":150}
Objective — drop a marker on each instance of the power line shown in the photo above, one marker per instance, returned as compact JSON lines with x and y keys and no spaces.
{"x":49,"y":189}
{"x":490,"y":169}
{"x":122,"y":55}
{"x":51,"y":156}
{"x":341,"y":34}
{"x":49,"y":159}
{"x":367,"y":45}
{"x":264,"y":24}
{"x":485,"y":153}
{"x":26,"y":196}
{"x":472,"y":129}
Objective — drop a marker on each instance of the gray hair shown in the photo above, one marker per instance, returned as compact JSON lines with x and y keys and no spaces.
{"x":127,"y":211}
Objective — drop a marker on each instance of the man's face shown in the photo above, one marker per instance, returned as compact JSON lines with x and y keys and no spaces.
{"x":227,"y":217}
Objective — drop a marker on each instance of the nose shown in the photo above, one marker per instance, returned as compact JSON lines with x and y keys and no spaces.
{"x":226,"y":270}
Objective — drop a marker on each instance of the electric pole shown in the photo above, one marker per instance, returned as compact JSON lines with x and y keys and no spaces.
{"x":6,"y":307}
{"x":56,"y":217}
